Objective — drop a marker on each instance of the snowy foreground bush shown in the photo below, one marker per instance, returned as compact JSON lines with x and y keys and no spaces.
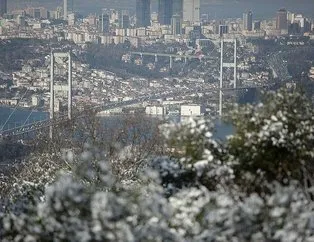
{"x":254,"y":187}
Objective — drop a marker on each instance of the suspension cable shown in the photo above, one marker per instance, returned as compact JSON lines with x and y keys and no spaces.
{"x":13,"y":111}
{"x":28,"y":117}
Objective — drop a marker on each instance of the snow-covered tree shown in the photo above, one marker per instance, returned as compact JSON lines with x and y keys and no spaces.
{"x":274,"y":140}
{"x":200,"y":191}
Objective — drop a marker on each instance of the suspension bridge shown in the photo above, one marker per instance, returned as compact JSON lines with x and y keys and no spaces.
{"x":66,"y":58}
{"x":48,"y":122}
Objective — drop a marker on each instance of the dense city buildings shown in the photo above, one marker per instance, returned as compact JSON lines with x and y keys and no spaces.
{"x":170,"y":42}
{"x":3,"y":7}
{"x":142,"y":13}
{"x":248,"y":21}
{"x":38,"y":13}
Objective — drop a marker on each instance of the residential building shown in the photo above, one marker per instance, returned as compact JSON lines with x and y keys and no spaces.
{"x":191,"y":110}
{"x":155,"y":110}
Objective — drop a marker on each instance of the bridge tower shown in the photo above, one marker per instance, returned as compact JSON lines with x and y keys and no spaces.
{"x":223,"y":65}
{"x":60,"y":58}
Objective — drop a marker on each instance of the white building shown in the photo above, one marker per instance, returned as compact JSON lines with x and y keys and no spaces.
{"x":191,"y":10}
{"x":57,"y":105}
{"x":191,"y":110}
{"x":71,"y":19}
{"x":155,"y":110}
{"x":35,"y":100}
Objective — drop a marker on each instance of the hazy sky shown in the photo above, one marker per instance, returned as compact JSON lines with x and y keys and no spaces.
{"x":215,"y":8}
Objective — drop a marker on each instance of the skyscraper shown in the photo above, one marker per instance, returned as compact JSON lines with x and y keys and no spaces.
{"x":177,"y":7}
{"x":124,"y":19}
{"x":257,"y":25}
{"x":176,"y":24}
{"x":165,"y":12}
{"x":223,"y":29}
{"x":248,"y":21}
{"x":191,"y":10}
{"x":65,"y":9}
{"x":169,"y":8}
{"x":281,"y":20}
{"x":104,"y":22}
{"x":142,"y":13}
{"x":3,"y":7}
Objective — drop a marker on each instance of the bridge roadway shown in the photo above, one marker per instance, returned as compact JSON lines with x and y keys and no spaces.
{"x":18,"y":131}
{"x":173,"y":55}
{"x":48,"y":122}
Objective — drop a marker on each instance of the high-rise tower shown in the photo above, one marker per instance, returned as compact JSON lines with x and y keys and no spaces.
{"x":169,"y":8}
{"x":3,"y":7}
{"x":248,"y":21}
{"x":68,"y":7}
{"x":164,"y":12}
{"x":176,"y":24}
{"x":124,"y":19}
{"x":191,"y":10}
{"x":142,"y":13}
{"x":177,"y":8}
{"x":65,"y":9}
{"x":104,"y":22}
{"x":281,"y":20}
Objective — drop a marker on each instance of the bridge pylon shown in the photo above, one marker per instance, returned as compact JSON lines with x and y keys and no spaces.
{"x":64,"y":58}
{"x":223,"y":65}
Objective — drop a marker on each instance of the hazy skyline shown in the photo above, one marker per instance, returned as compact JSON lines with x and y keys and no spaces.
{"x":215,"y":8}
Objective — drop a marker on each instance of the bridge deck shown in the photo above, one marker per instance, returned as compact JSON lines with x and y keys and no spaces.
{"x":47,"y":123}
{"x":173,"y":55}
